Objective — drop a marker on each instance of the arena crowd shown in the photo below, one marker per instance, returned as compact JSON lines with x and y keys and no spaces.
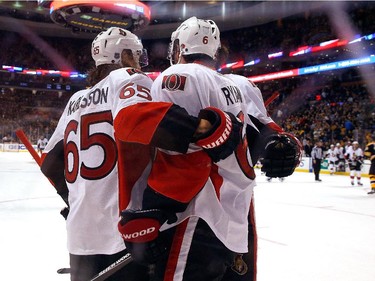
{"x":332,"y":106}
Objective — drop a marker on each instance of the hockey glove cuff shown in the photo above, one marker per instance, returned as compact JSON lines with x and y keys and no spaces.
{"x":140,"y":231}
{"x":223,"y":137}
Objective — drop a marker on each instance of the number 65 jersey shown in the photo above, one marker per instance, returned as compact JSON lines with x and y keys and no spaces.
{"x":82,"y":155}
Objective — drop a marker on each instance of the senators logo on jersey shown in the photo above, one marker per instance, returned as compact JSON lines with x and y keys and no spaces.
{"x":174,"y":82}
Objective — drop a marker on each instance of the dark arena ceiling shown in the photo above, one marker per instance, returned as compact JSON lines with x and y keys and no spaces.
{"x":165,"y":15}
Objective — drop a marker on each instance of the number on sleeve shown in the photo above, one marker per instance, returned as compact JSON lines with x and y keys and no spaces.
{"x":129,"y":91}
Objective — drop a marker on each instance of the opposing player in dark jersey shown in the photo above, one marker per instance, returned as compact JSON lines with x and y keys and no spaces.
{"x":369,"y":153}
{"x":85,"y":156}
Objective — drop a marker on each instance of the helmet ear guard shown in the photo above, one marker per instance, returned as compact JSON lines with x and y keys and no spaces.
{"x":195,"y":36}
{"x":108,"y":45}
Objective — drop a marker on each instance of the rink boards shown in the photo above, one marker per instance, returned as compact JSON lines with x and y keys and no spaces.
{"x":304,"y":166}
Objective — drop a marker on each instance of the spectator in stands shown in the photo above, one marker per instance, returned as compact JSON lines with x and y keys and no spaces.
{"x":307,"y":147}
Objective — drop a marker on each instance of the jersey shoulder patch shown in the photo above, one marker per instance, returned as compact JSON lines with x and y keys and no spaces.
{"x":174,"y":82}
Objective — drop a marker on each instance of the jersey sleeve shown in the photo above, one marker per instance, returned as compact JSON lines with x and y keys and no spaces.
{"x":53,"y":164}
{"x":261,"y":124}
{"x":255,"y":105}
{"x":173,"y":175}
{"x":160,"y":124}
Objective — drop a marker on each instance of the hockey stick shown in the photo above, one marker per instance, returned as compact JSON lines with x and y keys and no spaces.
{"x":63,"y":270}
{"x":113,"y":268}
{"x":105,"y":273}
{"x":23,"y":138}
{"x":274,"y":96}
{"x":21,"y":135}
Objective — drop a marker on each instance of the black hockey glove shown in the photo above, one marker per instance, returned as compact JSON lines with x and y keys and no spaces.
{"x":281,"y":156}
{"x":140,"y":231}
{"x":224,"y":136}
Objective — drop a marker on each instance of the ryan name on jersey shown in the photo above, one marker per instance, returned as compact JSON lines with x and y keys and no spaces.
{"x":232,"y":94}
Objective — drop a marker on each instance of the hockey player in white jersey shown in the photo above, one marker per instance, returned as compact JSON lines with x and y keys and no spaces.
{"x":41,"y":144}
{"x":341,"y":158}
{"x":354,"y":155}
{"x":207,"y":224}
{"x":332,"y":158}
{"x":85,"y":156}
{"x":207,"y":220}
{"x":82,"y":155}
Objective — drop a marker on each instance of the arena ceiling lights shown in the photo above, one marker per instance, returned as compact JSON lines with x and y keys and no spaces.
{"x":95,"y":15}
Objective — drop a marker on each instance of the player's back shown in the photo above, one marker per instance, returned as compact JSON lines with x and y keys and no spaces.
{"x":224,"y":201}
{"x":194,"y":86}
{"x":253,"y":98}
{"x":86,"y":128}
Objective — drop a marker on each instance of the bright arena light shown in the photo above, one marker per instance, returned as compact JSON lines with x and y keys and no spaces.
{"x":95,"y":15}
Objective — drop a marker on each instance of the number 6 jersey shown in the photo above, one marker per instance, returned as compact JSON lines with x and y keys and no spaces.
{"x":223,"y":200}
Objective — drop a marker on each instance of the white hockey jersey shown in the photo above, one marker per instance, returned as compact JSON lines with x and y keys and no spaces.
{"x":253,"y":98}
{"x":354,"y":153}
{"x":224,"y":200}
{"x":332,"y":155}
{"x":86,"y":135}
{"x":41,"y":144}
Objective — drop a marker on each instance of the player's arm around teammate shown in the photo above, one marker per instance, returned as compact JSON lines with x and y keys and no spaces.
{"x":84,"y":158}
{"x":203,"y":226}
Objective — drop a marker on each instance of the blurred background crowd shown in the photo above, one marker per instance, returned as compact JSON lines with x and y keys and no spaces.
{"x":334,"y":106}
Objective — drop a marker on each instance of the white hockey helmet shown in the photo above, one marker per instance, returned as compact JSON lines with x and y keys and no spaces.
{"x":196,"y":36}
{"x":108,"y":45}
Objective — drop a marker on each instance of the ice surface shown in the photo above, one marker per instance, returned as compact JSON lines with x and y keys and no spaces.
{"x":315,"y":231}
{"x":32,"y":232}
{"x":308,"y":231}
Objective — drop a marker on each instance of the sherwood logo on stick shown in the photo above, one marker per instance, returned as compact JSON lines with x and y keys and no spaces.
{"x":115,"y":263}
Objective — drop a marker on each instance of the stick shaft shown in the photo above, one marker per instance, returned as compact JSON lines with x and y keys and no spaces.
{"x":113,"y":268}
{"x":21,"y":135}
{"x":23,"y":138}
{"x":271,"y":99}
